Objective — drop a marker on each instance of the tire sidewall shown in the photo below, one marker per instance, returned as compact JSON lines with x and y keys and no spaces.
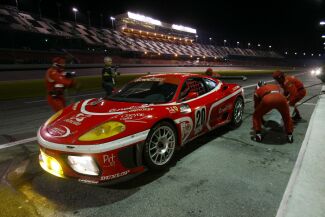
{"x":233,"y":123}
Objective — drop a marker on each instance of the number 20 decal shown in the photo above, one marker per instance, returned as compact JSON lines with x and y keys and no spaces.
{"x":200,"y":119}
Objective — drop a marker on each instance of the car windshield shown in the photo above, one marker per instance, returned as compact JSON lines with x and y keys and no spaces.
{"x":146,"y":91}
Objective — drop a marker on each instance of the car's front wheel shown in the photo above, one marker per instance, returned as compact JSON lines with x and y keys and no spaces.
{"x":160,"y":146}
{"x":237,"y":116}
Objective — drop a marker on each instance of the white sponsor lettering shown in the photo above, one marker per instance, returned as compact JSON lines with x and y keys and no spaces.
{"x":87,"y":181}
{"x":77,"y":119}
{"x":117,"y":175}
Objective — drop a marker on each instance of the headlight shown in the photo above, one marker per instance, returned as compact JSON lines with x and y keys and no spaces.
{"x":103,"y":131}
{"x":84,"y":165}
{"x":53,"y":117}
{"x":318,"y":71}
{"x":312,"y":72}
{"x":50,"y":164}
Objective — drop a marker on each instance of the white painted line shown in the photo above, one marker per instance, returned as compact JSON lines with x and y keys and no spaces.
{"x":282,"y":210}
{"x":19,"y":142}
{"x":308,"y":103}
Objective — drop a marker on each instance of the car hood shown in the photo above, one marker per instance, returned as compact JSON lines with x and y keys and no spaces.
{"x":83,"y":116}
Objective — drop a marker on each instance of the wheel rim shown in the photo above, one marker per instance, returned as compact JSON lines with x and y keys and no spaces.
{"x":238,"y":111}
{"x":162,"y":145}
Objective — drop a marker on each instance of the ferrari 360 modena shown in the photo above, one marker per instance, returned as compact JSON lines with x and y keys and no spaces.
{"x":138,"y":127}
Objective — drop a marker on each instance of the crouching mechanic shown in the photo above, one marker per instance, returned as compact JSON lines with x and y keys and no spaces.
{"x":266,"y":98}
{"x":294,"y":90}
{"x":210,"y":72}
{"x":108,"y":76}
{"x":56,"y":81}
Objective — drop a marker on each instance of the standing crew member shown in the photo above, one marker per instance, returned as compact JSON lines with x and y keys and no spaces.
{"x":56,"y":81}
{"x":209,"y":72}
{"x":108,"y":76}
{"x":266,"y":98}
{"x":294,"y":90}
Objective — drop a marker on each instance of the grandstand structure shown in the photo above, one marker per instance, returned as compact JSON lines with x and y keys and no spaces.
{"x":135,"y":33}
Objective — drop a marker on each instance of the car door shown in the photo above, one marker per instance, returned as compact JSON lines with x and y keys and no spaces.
{"x":220,"y":109}
{"x":199,"y":105}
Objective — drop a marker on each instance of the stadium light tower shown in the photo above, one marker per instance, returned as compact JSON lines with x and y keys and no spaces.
{"x":322,"y":23}
{"x":17,"y":5}
{"x":75,"y":11}
{"x":58,"y":5}
{"x":210,"y":39}
{"x":270,"y":46}
{"x":237,"y":43}
{"x":224,"y":42}
{"x":196,"y":36}
{"x":258,"y":45}
{"x":248,"y":44}
{"x":323,"y":36}
{"x":112,"y":19}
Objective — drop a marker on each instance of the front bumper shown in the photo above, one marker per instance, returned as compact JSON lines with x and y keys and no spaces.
{"x":113,"y":166}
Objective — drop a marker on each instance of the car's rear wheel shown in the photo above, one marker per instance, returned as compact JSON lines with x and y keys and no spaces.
{"x":237,"y":116}
{"x":160,"y":146}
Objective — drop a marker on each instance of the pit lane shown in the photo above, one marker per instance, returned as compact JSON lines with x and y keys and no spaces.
{"x":222,"y":174}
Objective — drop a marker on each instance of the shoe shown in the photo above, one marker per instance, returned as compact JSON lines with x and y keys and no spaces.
{"x":290,"y":138}
{"x":258,"y":137}
{"x":296,"y":118}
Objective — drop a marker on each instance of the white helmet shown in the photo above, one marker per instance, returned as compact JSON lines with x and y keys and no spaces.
{"x":108,"y":61}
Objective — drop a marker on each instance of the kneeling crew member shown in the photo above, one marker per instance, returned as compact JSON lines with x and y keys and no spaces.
{"x":56,"y":81}
{"x":294,"y":90}
{"x":266,"y":98}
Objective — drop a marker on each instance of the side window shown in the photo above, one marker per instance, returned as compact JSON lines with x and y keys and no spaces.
{"x":193,"y":85}
{"x":210,"y":84}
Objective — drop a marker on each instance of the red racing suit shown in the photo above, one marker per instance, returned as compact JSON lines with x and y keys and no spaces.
{"x":56,"y":82}
{"x":293,"y":89}
{"x":269,"y":97}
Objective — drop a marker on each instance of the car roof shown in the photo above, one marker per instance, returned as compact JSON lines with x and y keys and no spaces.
{"x":181,"y":76}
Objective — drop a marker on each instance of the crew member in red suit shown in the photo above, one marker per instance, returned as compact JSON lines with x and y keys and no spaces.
{"x":266,"y":98}
{"x":210,"y":72}
{"x":56,"y":81}
{"x":294,"y":90}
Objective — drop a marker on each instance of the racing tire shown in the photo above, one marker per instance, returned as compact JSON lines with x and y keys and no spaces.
{"x":160,"y":146}
{"x":237,"y":115}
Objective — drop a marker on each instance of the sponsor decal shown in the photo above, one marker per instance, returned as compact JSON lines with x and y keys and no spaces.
{"x":184,"y":108}
{"x":135,"y":116}
{"x":59,"y":131}
{"x":88,"y":181}
{"x":132,"y":108}
{"x":77,"y":119}
{"x":186,"y":128}
{"x":109,"y":160}
{"x":117,"y":175}
{"x":235,"y":88}
{"x":150,"y":79}
{"x":172,"y":109}
{"x":225,"y":108}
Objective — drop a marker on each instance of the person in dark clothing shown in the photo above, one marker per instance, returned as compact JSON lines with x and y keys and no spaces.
{"x":108,"y":76}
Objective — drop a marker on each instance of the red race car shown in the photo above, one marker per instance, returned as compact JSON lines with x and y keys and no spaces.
{"x":138,"y":127}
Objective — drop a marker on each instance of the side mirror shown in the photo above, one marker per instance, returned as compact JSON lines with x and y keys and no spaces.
{"x":191,"y":95}
{"x":224,"y":87}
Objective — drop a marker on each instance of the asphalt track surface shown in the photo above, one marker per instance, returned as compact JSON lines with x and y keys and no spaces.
{"x":224,"y":173}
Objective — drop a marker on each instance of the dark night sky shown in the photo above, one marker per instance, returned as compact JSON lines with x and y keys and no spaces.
{"x":286,"y":25}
